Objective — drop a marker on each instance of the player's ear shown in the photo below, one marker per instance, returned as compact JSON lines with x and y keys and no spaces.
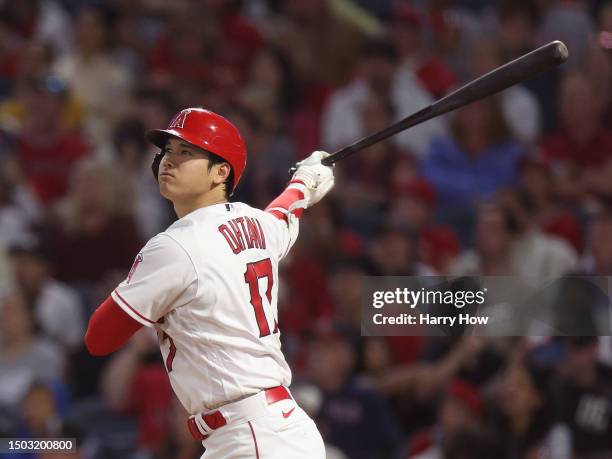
{"x":221,"y":173}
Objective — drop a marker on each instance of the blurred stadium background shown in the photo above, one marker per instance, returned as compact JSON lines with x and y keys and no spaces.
{"x":519,"y":184}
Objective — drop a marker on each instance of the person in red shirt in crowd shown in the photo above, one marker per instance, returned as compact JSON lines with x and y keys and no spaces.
{"x":46,"y":149}
{"x":581,"y":149}
{"x":92,"y":218}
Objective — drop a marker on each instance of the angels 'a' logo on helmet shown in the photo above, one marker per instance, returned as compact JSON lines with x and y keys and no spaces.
{"x":179,"y":120}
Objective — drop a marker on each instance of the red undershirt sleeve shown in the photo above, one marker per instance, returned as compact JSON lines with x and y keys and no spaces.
{"x":289,"y":201}
{"x":109,"y":328}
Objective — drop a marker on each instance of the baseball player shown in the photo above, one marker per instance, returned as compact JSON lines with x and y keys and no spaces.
{"x":208,"y":285}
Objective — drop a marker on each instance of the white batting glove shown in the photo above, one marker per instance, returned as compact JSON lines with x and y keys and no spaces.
{"x":317,"y":178}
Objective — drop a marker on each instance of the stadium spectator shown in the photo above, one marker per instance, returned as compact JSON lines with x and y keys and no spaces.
{"x":19,"y":209}
{"x":135,"y":382}
{"x":496,"y":231}
{"x":323,"y":43}
{"x":394,"y":252}
{"x":86,"y":224}
{"x":135,"y":187}
{"x":551,"y":216}
{"x":570,"y":23}
{"x":40,"y":412}
{"x":302,"y":308}
{"x":535,"y":256}
{"x":353,"y":418}
{"x":57,"y":307}
{"x":584,"y":391}
{"x":342,"y":120}
{"x":477,"y":159}
{"x":46,"y":148}
{"x":519,"y":106}
{"x":363,"y":185}
{"x":526,"y":417}
{"x":598,"y":254}
{"x":375,"y":74}
{"x":413,"y":207}
{"x":297,"y":76}
{"x":415,"y":59}
{"x":518,"y":25}
{"x":40,"y":20}
{"x":460,"y":412}
{"x":99,"y":82}
{"x":271,"y":151}
{"x":25,"y":357}
{"x":580,"y":148}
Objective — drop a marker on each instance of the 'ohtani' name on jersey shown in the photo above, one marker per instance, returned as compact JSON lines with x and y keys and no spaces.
{"x":243,"y":233}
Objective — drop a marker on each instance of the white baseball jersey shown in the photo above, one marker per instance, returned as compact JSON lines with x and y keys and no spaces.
{"x":209,"y":285}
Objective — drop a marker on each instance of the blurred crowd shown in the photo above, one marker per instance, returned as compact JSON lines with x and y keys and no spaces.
{"x":518,"y":184}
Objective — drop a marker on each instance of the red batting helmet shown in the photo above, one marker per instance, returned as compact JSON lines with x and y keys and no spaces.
{"x":207,"y":130}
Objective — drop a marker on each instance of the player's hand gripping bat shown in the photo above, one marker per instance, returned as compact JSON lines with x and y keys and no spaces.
{"x":521,"y":69}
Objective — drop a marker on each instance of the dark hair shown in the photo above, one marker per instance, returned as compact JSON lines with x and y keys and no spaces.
{"x":213,"y":160}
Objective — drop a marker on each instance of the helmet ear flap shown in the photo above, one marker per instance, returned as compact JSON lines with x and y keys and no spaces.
{"x":156,"y":162}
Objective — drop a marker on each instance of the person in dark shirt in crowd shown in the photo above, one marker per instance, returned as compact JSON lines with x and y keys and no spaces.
{"x":525,"y":415}
{"x":459,"y":412}
{"x":584,"y":394}
{"x":353,"y":417}
{"x":517,"y":34}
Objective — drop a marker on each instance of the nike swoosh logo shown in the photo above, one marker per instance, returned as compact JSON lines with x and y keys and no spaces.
{"x":288,"y":413}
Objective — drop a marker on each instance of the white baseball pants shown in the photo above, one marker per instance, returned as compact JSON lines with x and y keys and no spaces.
{"x":281,"y":430}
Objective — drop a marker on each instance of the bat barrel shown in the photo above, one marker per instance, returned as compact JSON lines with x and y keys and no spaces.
{"x":521,"y":69}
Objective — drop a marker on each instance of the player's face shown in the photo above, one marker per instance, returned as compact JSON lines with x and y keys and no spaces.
{"x":184,"y":172}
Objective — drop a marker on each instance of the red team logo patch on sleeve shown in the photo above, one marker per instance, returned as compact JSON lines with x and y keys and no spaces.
{"x":137,"y":261}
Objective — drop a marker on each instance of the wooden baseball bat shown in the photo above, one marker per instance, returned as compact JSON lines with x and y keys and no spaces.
{"x":521,"y":69}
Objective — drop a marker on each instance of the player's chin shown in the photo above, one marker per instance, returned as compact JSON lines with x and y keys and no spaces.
{"x":168,"y":189}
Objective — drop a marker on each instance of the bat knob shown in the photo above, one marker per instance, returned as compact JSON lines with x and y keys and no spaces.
{"x":561,"y":50}
{"x":292,"y":171}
